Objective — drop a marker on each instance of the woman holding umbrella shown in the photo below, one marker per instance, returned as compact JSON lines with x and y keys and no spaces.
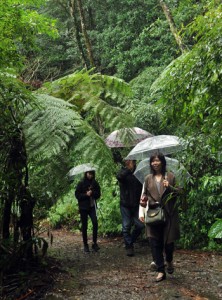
{"x":160,"y":189}
{"x":87,"y":192}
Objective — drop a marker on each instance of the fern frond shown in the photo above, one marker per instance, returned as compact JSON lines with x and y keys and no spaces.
{"x":50,"y":126}
{"x":94,"y":150}
{"x":112,"y":116}
{"x":95,"y":93}
{"x":53,"y":129}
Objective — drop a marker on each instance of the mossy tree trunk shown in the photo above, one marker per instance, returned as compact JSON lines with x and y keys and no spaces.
{"x":85,"y":34}
{"x":172,"y":25}
{"x":73,"y":14}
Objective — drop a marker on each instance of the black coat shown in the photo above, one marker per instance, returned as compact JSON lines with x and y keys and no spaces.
{"x":83,"y":186}
{"x":130,"y":188}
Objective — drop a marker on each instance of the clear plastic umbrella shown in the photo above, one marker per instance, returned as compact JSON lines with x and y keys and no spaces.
{"x":80,"y":169}
{"x":166,"y":144}
{"x":126,"y":137}
{"x":172,"y":165}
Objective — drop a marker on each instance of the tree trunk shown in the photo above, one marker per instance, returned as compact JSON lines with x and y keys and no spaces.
{"x":85,"y":34}
{"x":25,"y":200}
{"x":7,"y":215}
{"x":72,"y":11}
{"x":27,"y":204}
{"x":173,"y":29}
{"x":13,"y":179}
{"x":16,"y":174}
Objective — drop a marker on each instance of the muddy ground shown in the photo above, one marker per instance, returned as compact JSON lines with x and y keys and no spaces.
{"x":109,"y":274}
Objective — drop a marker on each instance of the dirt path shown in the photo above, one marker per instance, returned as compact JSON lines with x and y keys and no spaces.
{"x":109,"y":274}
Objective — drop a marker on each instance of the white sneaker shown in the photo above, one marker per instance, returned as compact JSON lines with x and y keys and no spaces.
{"x":153,"y":266}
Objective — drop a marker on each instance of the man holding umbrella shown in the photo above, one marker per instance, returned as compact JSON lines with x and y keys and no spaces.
{"x":130,"y":192}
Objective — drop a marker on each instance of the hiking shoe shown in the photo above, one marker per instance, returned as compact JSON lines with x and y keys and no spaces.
{"x":86,"y":248}
{"x":130,"y":251}
{"x":170,"y":268}
{"x":95,"y":247}
{"x":160,"y":277}
{"x":153,"y":266}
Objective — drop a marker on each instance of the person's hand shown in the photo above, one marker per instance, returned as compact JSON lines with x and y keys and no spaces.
{"x":143,"y":201}
{"x":165,"y":183}
{"x":89,"y":193}
{"x":142,"y":219}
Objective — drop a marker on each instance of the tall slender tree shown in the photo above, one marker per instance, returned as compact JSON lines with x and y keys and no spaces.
{"x":85,"y":34}
{"x":172,"y":25}
{"x":73,"y":14}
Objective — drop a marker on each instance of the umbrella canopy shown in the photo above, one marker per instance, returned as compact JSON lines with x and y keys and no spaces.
{"x":166,"y":144}
{"x":172,"y":165}
{"x":126,"y":137}
{"x":80,"y":169}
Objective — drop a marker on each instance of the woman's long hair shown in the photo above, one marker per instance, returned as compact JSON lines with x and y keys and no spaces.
{"x":163,"y":162}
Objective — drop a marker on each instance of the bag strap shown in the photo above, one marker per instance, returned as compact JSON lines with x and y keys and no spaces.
{"x":161,"y":205}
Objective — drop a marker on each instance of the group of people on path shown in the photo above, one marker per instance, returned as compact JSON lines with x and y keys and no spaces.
{"x":159,"y":188}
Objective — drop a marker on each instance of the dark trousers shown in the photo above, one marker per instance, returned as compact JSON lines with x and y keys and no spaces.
{"x":131,"y":225}
{"x":158,"y":248}
{"x":84,"y":219}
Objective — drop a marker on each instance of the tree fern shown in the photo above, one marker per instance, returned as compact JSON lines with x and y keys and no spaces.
{"x":53,"y":132}
{"x":61,"y":130}
{"x":100,"y":94}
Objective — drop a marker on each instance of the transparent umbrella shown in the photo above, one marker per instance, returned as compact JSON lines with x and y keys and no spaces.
{"x":80,"y":169}
{"x":172,"y":165}
{"x":166,"y":144}
{"x":126,"y":137}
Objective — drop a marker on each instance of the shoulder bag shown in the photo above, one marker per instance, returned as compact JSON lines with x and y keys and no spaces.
{"x":155,"y":216}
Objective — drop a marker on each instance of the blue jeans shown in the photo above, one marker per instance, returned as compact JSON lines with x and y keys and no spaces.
{"x":131,"y":225}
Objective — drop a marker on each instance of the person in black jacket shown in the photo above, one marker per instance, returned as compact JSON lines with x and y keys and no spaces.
{"x":130,"y":193}
{"x":87,"y":192}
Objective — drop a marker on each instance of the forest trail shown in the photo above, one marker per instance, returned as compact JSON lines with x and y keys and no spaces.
{"x":71,"y":274}
{"x":109,"y":274}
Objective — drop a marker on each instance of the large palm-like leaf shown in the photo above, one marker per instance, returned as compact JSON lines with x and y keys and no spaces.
{"x":100,"y":95}
{"x":52,"y":128}
{"x":59,"y":131}
{"x":50,"y":125}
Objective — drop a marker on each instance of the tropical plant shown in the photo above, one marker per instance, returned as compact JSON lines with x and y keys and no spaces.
{"x":215,"y":231}
{"x":65,"y":212}
{"x":92,"y":107}
{"x":197,"y":103}
{"x":19,"y":25}
{"x":51,"y":136}
{"x":197,"y":219}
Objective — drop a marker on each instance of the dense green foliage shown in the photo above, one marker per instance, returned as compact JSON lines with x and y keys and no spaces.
{"x":126,"y":37}
{"x":19,"y":25}
{"x":197,"y":104}
{"x":195,"y":108}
